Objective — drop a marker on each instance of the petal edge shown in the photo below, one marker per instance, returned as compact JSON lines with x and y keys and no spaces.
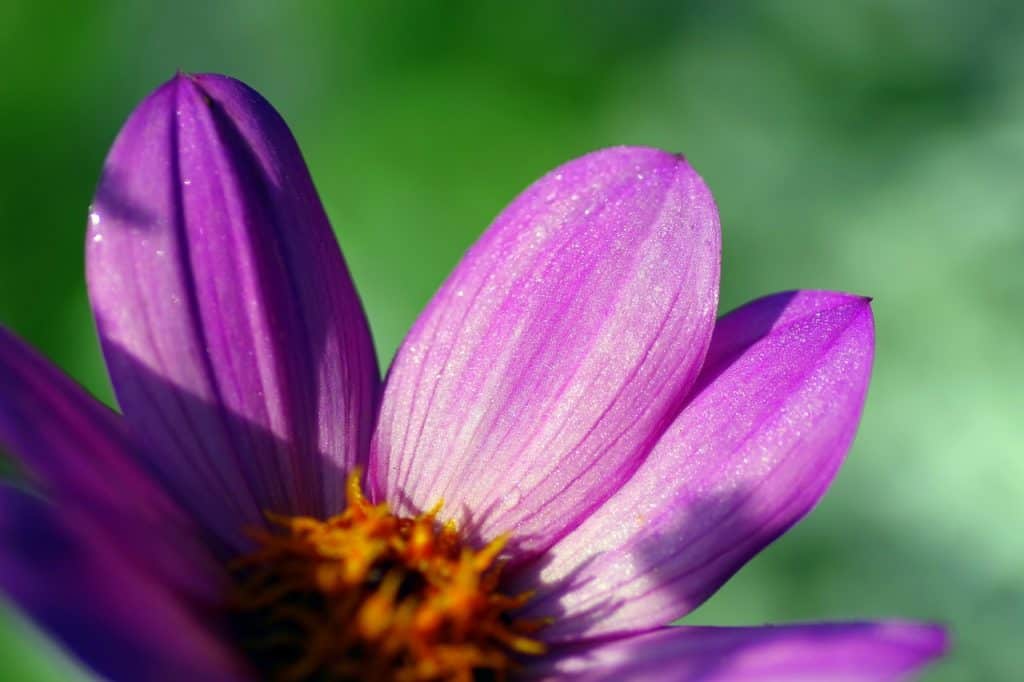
{"x":827,"y":652}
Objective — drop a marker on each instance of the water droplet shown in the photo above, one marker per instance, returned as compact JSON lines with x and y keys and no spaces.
{"x":187,"y":181}
{"x":97,"y":238}
{"x":94,"y":218}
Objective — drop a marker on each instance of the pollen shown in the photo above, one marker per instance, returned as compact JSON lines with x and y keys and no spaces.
{"x":370,"y":595}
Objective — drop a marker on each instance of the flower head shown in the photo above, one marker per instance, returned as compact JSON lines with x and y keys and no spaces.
{"x":569,"y":452}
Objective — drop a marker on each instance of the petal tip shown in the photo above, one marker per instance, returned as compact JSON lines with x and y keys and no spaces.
{"x":858,"y":299}
{"x":636,"y":158}
{"x":937,"y":640}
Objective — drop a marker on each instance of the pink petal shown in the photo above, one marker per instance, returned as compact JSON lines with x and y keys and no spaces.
{"x":770,"y":421}
{"x":850,"y":652}
{"x":117,"y":620}
{"x":544,"y":369}
{"x":235,"y":339}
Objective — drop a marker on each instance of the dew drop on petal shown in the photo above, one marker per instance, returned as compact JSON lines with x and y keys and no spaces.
{"x":513,"y":497}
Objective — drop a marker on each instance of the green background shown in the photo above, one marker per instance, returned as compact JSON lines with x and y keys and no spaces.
{"x":875,"y":147}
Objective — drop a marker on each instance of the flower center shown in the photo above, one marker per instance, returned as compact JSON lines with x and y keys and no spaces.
{"x":373,"y":596}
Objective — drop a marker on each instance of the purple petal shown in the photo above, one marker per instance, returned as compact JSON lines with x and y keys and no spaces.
{"x":80,"y":454}
{"x":543,"y":370}
{"x":850,"y":652}
{"x":772,"y":416}
{"x":124,"y":625}
{"x":234,"y":336}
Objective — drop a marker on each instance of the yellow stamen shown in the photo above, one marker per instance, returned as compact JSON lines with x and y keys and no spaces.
{"x":370,"y":595}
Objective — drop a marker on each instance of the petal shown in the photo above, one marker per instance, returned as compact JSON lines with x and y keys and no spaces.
{"x":81,"y":456}
{"x":235,"y":339}
{"x":849,"y":652}
{"x":771,"y":419}
{"x":121,"y":623}
{"x":541,"y":373}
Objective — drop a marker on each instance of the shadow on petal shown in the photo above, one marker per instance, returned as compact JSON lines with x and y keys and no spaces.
{"x":705,"y":517}
{"x":217,"y":470}
{"x":111,"y":201}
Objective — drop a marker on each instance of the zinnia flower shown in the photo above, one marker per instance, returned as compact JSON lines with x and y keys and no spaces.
{"x":568,"y":453}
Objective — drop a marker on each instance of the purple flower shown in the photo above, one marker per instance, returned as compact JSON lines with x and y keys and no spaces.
{"x":567,"y":393}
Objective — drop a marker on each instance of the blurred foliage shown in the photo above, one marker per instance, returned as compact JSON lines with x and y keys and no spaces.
{"x":871,"y":146}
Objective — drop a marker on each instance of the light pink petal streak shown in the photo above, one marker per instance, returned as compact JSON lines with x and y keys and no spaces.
{"x":540,"y":375}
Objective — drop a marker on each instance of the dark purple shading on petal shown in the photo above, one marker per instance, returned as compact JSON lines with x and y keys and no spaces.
{"x":542,"y":372}
{"x":214,"y":274}
{"x":117,"y":620}
{"x":846,"y":652}
{"x":79,"y":453}
{"x":771,"y":419}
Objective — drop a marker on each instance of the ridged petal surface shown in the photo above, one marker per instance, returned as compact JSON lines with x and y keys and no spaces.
{"x":771,"y":419}
{"x":236,"y":342}
{"x":543,"y":371}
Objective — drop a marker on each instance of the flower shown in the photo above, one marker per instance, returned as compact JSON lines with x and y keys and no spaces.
{"x":567,"y":401}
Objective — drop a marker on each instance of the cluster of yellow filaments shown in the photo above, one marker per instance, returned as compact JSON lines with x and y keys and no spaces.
{"x":372,"y":596}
